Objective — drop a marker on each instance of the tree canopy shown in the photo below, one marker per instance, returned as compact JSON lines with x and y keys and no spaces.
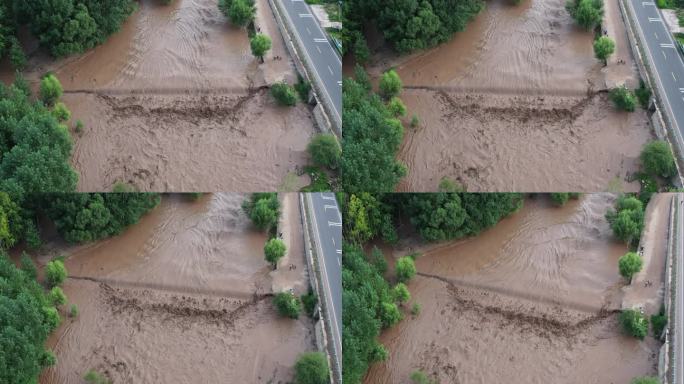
{"x":312,"y":368}
{"x":627,"y":219}
{"x":263,"y":209}
{"x":603,"y":48}
{"x":587,"y":13}
{"x":657,"y":159}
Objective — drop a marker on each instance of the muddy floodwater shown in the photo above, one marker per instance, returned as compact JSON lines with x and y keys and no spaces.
{"x":515,"y":103}
{"x":175,"y":101}
{"x":534,"y":299}
{"x":184,"y":296}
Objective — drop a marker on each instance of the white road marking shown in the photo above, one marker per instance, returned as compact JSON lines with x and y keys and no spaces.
{"x":333,"y":207}
{"x":339,"y":251}
{"x":681,"y":90}
{"x":656,"y":35}
{"x":305,"y":15}
{"x":308,"y":30}
{"x":655,"y":19}
{"x":339,"y":83}
{"x":333,"y":224}
{"x":673,"y":76}
{"x":331,"y":72}
{"x":333,"y":239}
{"x":664,"y":55}
{"x":645,"y":3}
{"x":326,"y":197}
{"x":320,"y":40}
{"x":665,"y":45}
{"x":319,"y":49}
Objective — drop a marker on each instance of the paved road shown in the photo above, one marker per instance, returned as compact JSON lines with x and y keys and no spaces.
{"x":320,"y":53}
{"x":327,"y":224}
{"x":665,"y":59}
{"x":678,"y":363}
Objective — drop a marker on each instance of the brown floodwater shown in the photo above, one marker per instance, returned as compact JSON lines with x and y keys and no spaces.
{"x":175,"y":101}
{"x":532,"y":300}
{"x":183,"y":296}
{"x":511,"y":104}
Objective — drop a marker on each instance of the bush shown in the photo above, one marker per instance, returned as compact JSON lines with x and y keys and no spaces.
{"x":658,"y":323}
{"x":260,"y":44}
{"x":630,"y":264}
{"x":50,"y":89}
{"x":560,"y":198}
{"x":390,"y":84}
{"x":396,"y":107}
{"x":419,"y":377}
{"x":309,"y":300}
{"x":633,"y":323}
{"x":263,"y":209}
{"x":627,"y":220}
{"x":405,"y":269}
{"x":643,"y":94}
{"x":94,"y":377}
{"x":57,"y":296}
{"x":239,"y":12}
{"x":414,"y":121}
{"x":274,"y":250}
{"x":303,"y":89}
{"x":400,"y":293}
{"x":603,"y":48}
{"x":623,"y":98}
{"x":287,"y":305}
{"x":61,"y":112}
{"x":657,"y":159}
{"x":415,"y":309}
{"x":312,"y":368}
{"x":389,"y":314}
{"x":587,"y":13}
{"x":16,"y":55}
{"x":645,"y":380}
{"x":78,"y":128}
{"x":284,"y":94}
{"x":325,"y":151}
{"x":73,"y":311}
{"x":55,"y":273}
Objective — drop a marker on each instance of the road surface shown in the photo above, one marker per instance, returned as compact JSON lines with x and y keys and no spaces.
{"x":318,"y":51}
{"x":665,"y":60}
{"x":678,"y":363}
{"x":327,"y":227}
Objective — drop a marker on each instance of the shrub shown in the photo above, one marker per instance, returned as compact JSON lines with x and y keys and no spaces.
{"x":419,"y":377}
{"x":303,"y":89}
{"x":73,"y":310}
{"x":94,"y":377}
{"x":629,"y":264}
{"x":657,"y":159}
{"x":645,"y":380}
{"x":603,"y":48}
{"x":309,"y":300}
{"x":284,"y":94}
{"x":415,"y":309}
{"x":414,"y":121}
{"x":400,"y":293}
{"x":50,"y":89}
{"x":623,"y":98}
{"x":260,"y":44}
{"x":560,"y":198}
{"x":61,"y":112}
{"x":634,"y":323}
{"x":627,"y":220}
{"x":325,"y":151}
{"x":405,"y":269}
{"x":643,"y":94}
{"x":390,"y":84}
{"x":287,"y":305}
{"x":396,"y":107}
{"x":16,"y":55}
{"x":658,"y":323}
{"x":274,"y":250}
{"x":57,"y":296}
{"x":240,"y":12}
{"x":312,"y":368}
{"x":389,"y":314}
{"x":79,"y":126}
{"x":55,"y":273}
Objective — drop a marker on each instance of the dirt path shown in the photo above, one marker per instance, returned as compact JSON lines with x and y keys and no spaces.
{"x":184,"y":296}
{"x":535,"y":299}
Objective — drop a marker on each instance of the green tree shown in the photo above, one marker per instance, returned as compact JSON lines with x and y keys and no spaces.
{"x":263,"y":209}
{"x":284,"y":94}
{"x":389,"y":314}
{"x":260,"y":44}
{"x":401,"y":293}
{"x":55,"y":273}
{"x":560,"y":198}
{"x":240,"y":12}
{"x":73,"y":311}
{"x":61,"y":112}
{"x":627,"y":220}
{"x":390,"y":84}
{"x":325,"y":151}
{"x":57,"y":296}
{"x":396,"y":107}
{"x":312,"y":368}
{"x":623,"y":98}
{"x":634,"y":323}
{"x":27,"y":319}
{"x":657,"y":159}
{"x":50,"y":89}
{"x":287,"y":305}
{"x":28,"y":266}
{"x":603,"y":48}
{"x":405,"y":269}
{"x":629,"y":264}
{"x":587,"y":13}
{"x":274,"y":250}
{"x":419,"y":377}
